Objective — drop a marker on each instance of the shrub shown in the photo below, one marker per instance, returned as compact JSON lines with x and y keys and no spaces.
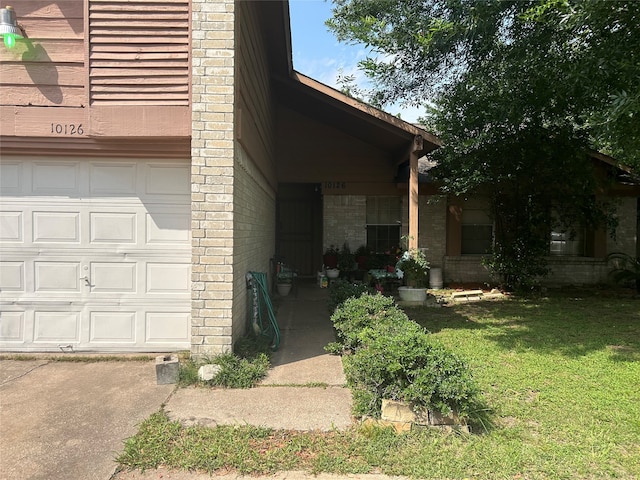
{"x":341,"y":289}
{"x":395,"y":358}
{"x":355,"y":316}
{"x":518,"y":266}
{"x":402,"y":362}
{"x":625,"y":269}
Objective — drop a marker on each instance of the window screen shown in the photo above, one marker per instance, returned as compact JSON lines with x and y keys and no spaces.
{"x":477,"y":232}
{"x":383,"y":222}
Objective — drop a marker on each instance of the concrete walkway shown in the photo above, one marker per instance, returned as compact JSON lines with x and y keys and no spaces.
{"x":305,"y":386}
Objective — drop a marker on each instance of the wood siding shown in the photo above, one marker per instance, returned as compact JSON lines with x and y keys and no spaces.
{"x":47,"y":68}
{"x":139,"y":52}
{"x":110,"y":68}
{"x":255,"y":111}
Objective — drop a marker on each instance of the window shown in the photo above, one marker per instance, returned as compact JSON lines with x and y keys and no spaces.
{"x":477,"y":232}
{"x":383,"y":222}
{"x":567,"y":242}
{"x":566,"y":239}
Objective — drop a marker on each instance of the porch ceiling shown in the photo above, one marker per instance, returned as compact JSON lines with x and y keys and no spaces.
{"x":331,"y":107}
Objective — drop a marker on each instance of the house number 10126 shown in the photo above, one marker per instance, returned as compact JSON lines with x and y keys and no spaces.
{"x":67,"y":129}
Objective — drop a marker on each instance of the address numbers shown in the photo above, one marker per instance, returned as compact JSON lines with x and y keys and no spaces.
{"x":67,"y":129}
{"x":334,"y":185}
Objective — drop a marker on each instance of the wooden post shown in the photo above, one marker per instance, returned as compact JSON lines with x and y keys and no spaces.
{"x":413,"y":192}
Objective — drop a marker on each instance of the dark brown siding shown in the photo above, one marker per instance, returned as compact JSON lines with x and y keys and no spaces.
{"x":254,"y":111}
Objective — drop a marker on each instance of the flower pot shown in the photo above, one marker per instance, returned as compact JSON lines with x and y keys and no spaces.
{"x":283,"y":289}
{"x":330,"y":261}
{"x":333,"y":273}
{"x":411,"y":294}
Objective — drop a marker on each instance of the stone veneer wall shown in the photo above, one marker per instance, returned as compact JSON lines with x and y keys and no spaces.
{"x":212,"y":176}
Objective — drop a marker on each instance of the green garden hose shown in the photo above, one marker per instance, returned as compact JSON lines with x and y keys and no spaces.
{"x":261,"y":302}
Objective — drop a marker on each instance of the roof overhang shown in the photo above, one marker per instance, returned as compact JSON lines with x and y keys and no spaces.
{"x":358,"y":119}
{"x":327,"y":105}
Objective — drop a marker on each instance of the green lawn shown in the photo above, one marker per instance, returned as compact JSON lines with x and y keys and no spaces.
{"x":560,"y":375}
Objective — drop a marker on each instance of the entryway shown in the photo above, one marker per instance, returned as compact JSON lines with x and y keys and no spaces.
{"x":299,"y":227}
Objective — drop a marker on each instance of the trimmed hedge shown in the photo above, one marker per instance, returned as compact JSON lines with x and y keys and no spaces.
{"x":393,"y":357}
{"x":341,"y":289}
{"x":357,"y":315}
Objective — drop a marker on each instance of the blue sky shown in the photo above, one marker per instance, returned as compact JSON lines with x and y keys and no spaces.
{"x":317,"y":53}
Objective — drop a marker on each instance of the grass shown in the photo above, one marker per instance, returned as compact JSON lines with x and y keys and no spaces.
{"x":242,"y":369}
{"x":560,"y":373}
{"x":76,"y":358}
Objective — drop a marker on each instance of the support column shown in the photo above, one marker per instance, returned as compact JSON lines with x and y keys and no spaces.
{"x":212,"y":176}
{"x":413,"y":192}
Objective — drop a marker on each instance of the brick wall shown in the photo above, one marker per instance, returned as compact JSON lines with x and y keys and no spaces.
{"x":564,"y":270}
{"x":344,"y":218}
{"x":254,"y":232}
{"x":212,"y":160}
{"x":432,"y":228}
{"x":626,"y":233}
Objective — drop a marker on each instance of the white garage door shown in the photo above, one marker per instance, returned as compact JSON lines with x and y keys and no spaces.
{"x":94,"y":255}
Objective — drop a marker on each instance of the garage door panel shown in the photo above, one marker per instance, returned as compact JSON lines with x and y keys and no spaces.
{"x":167,"y":228}
{"x":167,"y":179}
{"x":61,"y":277}
{"x":56,"y":227}
{"x":12,"y":276}
{"x":113,"y":277}
{"x":168,"y":278}
{"x":58,"y":326}
{"x":112,"y":227}
{"x":11,"y":178}
{"x":11,"y":226}
{"x":167,"y":327}
{"x":12,"y":326}
{"x":112,"y":179}
{"x":114,"y":327}
{"x":56,"y":178}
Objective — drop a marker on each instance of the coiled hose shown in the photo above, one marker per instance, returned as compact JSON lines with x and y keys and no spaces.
{"x":262,"y":307}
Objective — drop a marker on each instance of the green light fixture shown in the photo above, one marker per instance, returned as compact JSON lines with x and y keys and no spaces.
{"x":9,"y":27}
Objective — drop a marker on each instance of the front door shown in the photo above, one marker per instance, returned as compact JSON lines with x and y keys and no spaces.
{"x":299,"y":228}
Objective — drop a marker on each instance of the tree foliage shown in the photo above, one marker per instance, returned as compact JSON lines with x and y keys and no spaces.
{"x":519,"y":91}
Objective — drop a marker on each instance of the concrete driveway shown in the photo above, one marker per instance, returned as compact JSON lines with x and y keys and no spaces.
{"x":69,"y":419}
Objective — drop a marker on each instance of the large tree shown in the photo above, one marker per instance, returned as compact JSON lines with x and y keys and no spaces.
{"x":519,"y":91}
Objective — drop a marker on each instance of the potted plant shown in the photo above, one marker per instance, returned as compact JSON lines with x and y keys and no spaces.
{"x":413,"y":269}
{"x":362,"y":257}
{"x":346,"y":259}
{"x":284,"y":282}
{"x":330,"y":257}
